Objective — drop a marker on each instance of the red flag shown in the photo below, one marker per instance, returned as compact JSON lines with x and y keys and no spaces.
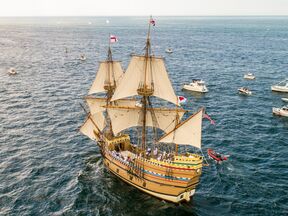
{"x":181,"y":100}
{"x":152,"y":21}
{"x":209,"y":118}
{"x":113,"y":39}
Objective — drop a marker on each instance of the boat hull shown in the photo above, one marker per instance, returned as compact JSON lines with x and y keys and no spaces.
{"x":249,"y":77}
{"x":243,"y":92}
{"x":165,"y":189}
{"x":195,"y":89}
{"x":279,"y":112}
{"x":285,"y":99}
{"x":279,"y":89}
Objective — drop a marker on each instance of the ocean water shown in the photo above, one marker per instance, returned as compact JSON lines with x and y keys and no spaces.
{"x":48,"y":168}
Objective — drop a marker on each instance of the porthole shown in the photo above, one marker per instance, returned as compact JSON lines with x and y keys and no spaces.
{"x":181,"y":196}
{"x":144,"y":184}
{"x":131,"y":178}
{"x":117,"y":170}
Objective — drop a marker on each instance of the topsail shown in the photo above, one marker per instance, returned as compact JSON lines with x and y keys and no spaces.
{"x":108,"y":75}
{"x":150,"y":70}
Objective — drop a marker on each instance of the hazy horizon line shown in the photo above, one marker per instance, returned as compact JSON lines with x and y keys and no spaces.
{"x":252,"y":15}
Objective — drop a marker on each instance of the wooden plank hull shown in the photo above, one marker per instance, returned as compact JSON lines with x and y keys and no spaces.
{"x":166,"y":187}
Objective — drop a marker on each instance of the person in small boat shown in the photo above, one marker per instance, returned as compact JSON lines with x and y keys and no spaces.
{"x":218,"y":155}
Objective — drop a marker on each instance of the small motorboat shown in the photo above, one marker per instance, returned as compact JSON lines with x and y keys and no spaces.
{"x":82,"y":57}
{"x":197,"y":85}
{"x":249,"y":76}
{"x":244,"y":91}
{"x":284,"y":99}
{"x":169,"y":50}
{"x":216,"y":156}
{"x":280,"y":111}
{"x":281,"y":87}
{"x":12,"y":71}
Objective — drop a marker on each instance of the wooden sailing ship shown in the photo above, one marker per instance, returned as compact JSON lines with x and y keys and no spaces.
{"x":139,"y":140}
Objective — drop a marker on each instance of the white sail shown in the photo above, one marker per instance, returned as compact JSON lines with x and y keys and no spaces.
{"x":98,"y":104}
{"x":156,"y":77}
{"x":126,"y":117}
{"x":187,"y":132}
{"x":108,"y":72}
{"x":89,"y":128}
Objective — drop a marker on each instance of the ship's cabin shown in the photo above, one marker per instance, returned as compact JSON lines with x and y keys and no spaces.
{"x":119,"y":143}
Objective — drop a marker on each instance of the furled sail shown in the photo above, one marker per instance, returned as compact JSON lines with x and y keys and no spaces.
{"x":108,"y":72}
{"x":156,"y":78}
{"x":89,"y":128}
{"x":97,"y":105}
{"x":126,"y":117}
{"x":187,"y":132}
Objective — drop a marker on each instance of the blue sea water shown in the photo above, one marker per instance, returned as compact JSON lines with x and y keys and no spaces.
{"x":48,"y":168}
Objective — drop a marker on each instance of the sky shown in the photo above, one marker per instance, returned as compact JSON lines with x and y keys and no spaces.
{"x":142,"y":7}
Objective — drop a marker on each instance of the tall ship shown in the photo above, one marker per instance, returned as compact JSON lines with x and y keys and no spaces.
{"x":136,"y":120}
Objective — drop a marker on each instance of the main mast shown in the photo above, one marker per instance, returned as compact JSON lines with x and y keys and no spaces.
{"x":109,"y":85}
{"x":144,"y":89}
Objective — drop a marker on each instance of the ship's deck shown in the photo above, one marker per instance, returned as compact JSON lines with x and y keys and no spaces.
{"x":192,"y":161}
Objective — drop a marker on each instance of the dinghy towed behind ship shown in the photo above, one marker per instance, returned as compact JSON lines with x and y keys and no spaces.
{"x":155,"y":165}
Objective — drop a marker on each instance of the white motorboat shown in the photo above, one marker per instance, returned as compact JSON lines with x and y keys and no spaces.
{"x":281,"y":87}
{"x":197,"y":85}
{"x":249,"y":76}
{"x":12,"y":71}
{"x":82,"y":57}
{"x":284,"y":99}
{"x":244,"y":91}
{"x":280,"y":111}
{"x":169,"y":50}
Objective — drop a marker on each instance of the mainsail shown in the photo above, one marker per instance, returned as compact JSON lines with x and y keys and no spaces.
{"x":126,"y":117}
{"x":186,"y":133}
{"x":109,"y":74}
{"x":149,"y":70}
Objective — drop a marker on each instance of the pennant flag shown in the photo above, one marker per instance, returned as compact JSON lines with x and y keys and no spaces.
{"x":113,"y":39}
{"x":152,"y":21}
{"x":181,"y":100}
{"x":209,"y":118}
